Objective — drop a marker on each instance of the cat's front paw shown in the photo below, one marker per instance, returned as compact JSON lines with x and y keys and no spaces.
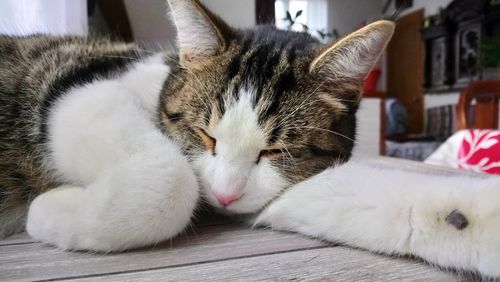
{"x":478,"y":227}
{"x":484,"y":247}
{"x":459,"y":228}
{"x":51,"y":216}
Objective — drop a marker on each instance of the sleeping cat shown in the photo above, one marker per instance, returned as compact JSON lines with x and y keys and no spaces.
{"x":112,"y":148}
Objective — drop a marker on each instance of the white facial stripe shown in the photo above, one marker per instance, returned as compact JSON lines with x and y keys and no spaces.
{"x":233,"y":171}
{"x":239,"y":136}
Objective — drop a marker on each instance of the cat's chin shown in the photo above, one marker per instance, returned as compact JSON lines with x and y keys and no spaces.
{"x":227,"y":212}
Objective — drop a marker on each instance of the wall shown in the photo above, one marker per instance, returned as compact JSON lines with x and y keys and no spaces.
{"x":436,"y":100}
{"x":56,"y":17}
{"x":153,"y":30}
{"x":368,"y":131}
{"x":347,"y":16}
{"x":238,"y":13}
{"x":150,"y":24}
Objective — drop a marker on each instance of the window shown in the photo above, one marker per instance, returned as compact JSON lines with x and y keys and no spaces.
{"x":314,"y":15}
{"x":24,"y":17}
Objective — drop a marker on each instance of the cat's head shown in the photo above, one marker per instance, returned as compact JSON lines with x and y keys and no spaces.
{"x":260,"y":109}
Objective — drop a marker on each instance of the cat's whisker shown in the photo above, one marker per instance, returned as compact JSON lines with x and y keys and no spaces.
{"x":325,"y":130}
{"x":291,"y":160}
{"x":287,"y":156}
{"x":114,"y":57}
{"x":149,"y":51}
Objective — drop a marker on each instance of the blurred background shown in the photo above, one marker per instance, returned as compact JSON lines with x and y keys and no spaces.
{"x":412,"y":99}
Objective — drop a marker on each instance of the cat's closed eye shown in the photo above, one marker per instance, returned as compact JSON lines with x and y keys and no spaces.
{"x":269,"y":154}
{"x":210,"y":142}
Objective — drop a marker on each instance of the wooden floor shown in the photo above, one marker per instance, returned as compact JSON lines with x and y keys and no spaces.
{"x":217,"y":252}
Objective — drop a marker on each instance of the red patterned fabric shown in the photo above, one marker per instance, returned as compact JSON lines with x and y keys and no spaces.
{"x":473,"y":150}
{"x":480,"y":151}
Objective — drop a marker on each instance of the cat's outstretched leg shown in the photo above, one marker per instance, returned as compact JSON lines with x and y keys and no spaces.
{"x":145,"y":200}
{"x":450,"y":221}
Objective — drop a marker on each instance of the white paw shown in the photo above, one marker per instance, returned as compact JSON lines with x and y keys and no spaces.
{"x":50,"y":216}
{"x":473,"y":231}
{"x":131,"y":207}
{"x":486,"y":230}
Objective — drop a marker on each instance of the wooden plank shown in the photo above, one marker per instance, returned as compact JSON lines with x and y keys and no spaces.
{"x":327,"y":264}
{"x":205,"y":218}
{"x":36,"y":261}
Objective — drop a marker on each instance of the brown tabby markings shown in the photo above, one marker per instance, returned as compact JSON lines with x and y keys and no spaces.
{"x":34,"y":72}
{"x":305,"y":112}
{"x":301,"y":119}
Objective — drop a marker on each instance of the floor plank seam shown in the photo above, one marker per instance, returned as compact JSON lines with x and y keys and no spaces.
{"x":191,"y":230}
{"x":17,"y":244}
{"x":182,"y":264}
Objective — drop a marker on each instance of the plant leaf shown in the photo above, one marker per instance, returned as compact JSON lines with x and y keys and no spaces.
{"x":335,"y":34}
{"x":299,"y":12}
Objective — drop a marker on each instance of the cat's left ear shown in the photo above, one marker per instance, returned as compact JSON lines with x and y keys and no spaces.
{"x":354,"y":56}
{"x":200,"y":33}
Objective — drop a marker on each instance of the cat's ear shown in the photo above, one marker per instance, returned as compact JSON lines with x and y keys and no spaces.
{"x":354,"y":56}
{"x":200,"y":33}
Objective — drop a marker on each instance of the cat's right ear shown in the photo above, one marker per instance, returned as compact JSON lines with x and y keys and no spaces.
{"x":200,"y":33}
{"x":355,"y":55}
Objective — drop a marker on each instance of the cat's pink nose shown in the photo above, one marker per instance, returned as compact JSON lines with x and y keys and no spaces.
{"x":226,"y":199}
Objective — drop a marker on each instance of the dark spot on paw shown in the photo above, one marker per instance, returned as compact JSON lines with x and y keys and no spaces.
{"x":457,"y":219}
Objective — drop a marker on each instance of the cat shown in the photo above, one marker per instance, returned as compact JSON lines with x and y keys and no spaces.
{"x":106,"y":147}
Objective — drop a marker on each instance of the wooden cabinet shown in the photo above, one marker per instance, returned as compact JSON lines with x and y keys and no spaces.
{"x":405,"y":62}
{"x":453,"y":43}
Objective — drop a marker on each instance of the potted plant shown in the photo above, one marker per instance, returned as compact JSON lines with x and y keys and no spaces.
{"x":489,"y":59}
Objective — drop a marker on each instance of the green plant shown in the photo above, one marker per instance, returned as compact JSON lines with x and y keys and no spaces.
{"x":334,"y":34}
{"x":292,"y":21}
{"x":489,"y":53}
